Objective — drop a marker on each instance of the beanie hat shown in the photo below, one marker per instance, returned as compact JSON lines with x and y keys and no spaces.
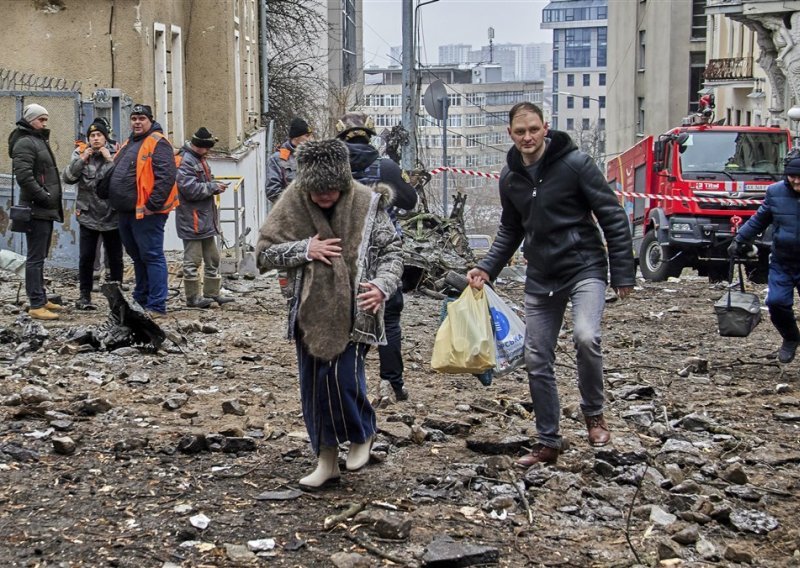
{"x":355,"y":125}
{"x":33,"y":111}
{"x":99,"y":125}
{"x":142,"y":109}
{"x":323,"y":166}
{"x":792,"y":167}
{"x":298,"y":127}
{"x":203,"y":138}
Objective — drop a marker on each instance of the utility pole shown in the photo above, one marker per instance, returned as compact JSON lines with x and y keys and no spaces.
{"x":410,"y":100}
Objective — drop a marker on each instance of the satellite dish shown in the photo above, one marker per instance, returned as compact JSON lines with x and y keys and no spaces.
{"x":433,"y":97}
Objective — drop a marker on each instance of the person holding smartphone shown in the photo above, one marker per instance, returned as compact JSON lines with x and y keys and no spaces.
{"x":197,"y":221}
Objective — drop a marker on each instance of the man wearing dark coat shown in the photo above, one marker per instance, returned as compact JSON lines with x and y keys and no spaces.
{"x":37,"y":175}
{"x":556,"y":198}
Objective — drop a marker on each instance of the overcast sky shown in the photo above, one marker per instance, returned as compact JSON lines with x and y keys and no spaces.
{"x":451,"y":21}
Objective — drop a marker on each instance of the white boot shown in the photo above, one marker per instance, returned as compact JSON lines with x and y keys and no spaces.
{"x":327,"y":468}
{"x":358,"y":456}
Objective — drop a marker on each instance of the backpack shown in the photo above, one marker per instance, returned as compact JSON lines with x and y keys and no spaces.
{"x":371,"y":175}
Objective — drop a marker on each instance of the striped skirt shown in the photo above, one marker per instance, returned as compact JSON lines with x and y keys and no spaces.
{"x":334,"y":397}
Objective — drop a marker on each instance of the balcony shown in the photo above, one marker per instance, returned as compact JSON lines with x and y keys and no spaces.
{"x":729,"y":69}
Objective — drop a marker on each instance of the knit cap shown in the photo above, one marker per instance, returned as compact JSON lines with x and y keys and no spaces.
{"x":33,"y":111}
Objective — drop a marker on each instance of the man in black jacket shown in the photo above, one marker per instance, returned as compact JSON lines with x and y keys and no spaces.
{"x":34,"y":166}
{"x":369,"y":168}
{"x":551,"y":194}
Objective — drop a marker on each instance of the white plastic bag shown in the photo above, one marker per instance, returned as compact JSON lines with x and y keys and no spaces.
{"x":509,"y":334}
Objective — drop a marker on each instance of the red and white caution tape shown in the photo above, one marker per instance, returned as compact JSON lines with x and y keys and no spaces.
{"x":722,"y":200}
{"x":463,"y":171}
{"x":718,"y":200}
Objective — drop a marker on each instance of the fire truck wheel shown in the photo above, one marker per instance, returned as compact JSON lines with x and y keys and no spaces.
{"x":654,"y":260}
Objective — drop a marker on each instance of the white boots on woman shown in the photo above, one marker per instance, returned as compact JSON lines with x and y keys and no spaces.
{"x":358,"y":456}
{"x":327,"y":469}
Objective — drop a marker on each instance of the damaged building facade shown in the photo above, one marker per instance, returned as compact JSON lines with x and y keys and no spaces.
{"x":197,"y":63}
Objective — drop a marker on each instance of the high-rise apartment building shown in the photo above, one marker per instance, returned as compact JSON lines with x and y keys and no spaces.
{"x":519,"y":62}
{"x":454,"y":54}
{"x":580,"y":38}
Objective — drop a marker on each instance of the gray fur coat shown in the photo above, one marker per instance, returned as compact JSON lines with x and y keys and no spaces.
{"x":323,"y":305}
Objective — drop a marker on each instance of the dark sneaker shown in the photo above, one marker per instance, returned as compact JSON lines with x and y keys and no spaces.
{"x":400,"y":394}
{"x":599,"y":434}
{"x":787,"y":351}
{"x":85,"y":304}
{"x":540,"y":454}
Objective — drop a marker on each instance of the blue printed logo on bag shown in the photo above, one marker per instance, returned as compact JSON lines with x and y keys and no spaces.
{"x":500,"y":322}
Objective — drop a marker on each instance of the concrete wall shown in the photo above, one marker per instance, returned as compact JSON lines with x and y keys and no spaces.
{"x":663,"y":82}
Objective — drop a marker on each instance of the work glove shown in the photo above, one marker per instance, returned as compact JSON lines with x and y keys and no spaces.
{"x":740,"y":249}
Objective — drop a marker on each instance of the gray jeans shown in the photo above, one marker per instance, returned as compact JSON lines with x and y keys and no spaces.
{"x":543,"y":318}
{"x":200,"y":251}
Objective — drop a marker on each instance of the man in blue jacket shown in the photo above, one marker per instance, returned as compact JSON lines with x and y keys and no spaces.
{"x":551,"y":194}
{"x":781,"y":209}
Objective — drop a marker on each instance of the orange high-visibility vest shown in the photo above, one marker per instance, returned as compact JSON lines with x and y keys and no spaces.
{"x":146,"y":180}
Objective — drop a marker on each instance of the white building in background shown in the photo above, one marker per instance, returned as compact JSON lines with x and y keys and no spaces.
{"x":519,"y":62}
{"x":395,"y":56}
{"x":477,"y":118}
{"x":580,"y":38}
{"x":536,"y":63}
{"x":743,"y":93}
{"x":454,"y":53}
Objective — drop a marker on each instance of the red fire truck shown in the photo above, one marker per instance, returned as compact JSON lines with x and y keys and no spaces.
{"x":698,"y":183}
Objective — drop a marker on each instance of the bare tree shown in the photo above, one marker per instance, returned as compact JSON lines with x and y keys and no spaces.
{"x":591,"y":140}
{"x":296,"y":86}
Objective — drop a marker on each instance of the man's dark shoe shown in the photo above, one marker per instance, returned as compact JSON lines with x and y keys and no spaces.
{"x":400,"y":394}
{"x":787,"y":351}
{"x":599,"y":434}
{"x":84,"y":303}
{"x":540,"y":454}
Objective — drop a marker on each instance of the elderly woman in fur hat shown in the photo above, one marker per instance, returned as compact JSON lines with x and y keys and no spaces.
{"x":335,"y":239}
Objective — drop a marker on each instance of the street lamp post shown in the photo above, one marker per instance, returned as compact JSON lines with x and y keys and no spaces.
{"x":599,"y":156}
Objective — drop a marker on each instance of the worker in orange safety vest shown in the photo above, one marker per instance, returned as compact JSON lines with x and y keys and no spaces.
{"x":141,"y":187}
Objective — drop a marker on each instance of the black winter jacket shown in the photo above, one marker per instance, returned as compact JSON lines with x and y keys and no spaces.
{"x":363,"y":155}
{"x":554,"y":216}
{"x":122,"y":186}
{"x":35,"y":169}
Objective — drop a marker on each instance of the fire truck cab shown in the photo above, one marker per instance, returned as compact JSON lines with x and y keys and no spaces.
{"x":687,"y":192}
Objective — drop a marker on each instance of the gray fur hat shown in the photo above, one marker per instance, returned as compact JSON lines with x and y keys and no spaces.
{"x":323,"y":166}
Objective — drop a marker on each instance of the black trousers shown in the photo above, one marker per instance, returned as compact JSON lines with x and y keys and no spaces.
{"x":88,"y":251}
{"x":390,"y":355}
{"x":38,"y":243}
